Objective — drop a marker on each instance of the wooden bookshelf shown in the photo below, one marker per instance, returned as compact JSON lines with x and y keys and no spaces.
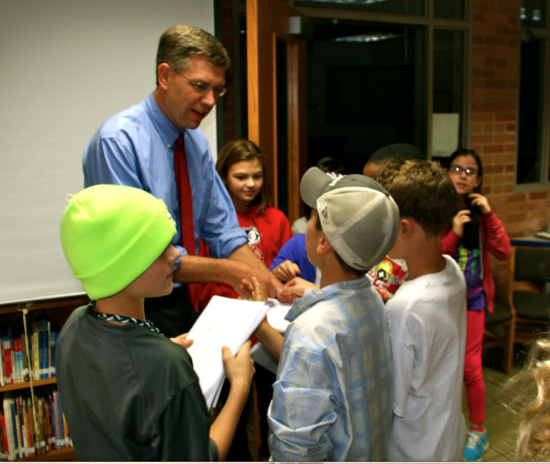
{"x":64,"y":454}
{"x":26,"y":385}
{"x":56,"y":310}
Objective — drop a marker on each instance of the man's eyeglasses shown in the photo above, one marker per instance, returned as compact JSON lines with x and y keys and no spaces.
{"x":205,"y":88}
{"x":456,"y":169}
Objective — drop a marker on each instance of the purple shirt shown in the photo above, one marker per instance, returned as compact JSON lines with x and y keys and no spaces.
{"x":469,"y":262}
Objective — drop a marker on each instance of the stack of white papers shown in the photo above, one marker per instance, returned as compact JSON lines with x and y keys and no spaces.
{"x":224,"y":322}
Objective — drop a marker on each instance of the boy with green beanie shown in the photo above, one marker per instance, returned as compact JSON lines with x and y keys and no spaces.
{"x":129,"y":393}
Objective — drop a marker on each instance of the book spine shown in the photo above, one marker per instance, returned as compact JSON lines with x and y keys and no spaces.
{"x":55,"y":336}
{"x":17,"y":362}
{"x":61,"y":427}
{"x":68,"y":441}
{"x":12,"y":356}
{"x":7,"y":357}
{"x":14,"y":427}
{"x":28,"y":435}
{"x":45,"y":423}
{"x":2,"y":368}
{"x":42,"y":418}
{"x":55,"y":421}
{"x":20,"y":357}
{"x":41,"y":354}
{"x":31,"y":427}
{"x":35,"y":356}
{"x":24,"y":355}
{"x":50,"y":418}
{"x":9,"y":434}
{"x":5,"y":445}
{"x":17,"y":415}
{"x":23,"y":429}
{"x":48,"y":350}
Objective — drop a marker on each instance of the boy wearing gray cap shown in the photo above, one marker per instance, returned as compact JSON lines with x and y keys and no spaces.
{"x":129,"y":393}
{"x":333,"y":394}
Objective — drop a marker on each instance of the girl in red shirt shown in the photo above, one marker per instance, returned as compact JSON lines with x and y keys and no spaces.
{"x":241,"y":165}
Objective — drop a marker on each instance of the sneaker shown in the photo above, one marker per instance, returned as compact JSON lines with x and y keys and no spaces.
{"x":476,"y":445}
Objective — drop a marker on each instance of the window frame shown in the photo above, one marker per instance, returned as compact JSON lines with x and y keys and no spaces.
{"x":429,"y":23}
{"x":544,"y":180}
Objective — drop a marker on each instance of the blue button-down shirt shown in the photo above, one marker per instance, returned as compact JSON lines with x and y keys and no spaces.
{"x":332,"y":400}
{"x":136,"y":148}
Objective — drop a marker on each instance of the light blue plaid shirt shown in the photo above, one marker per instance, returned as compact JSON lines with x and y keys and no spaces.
{"x":332,"y":400}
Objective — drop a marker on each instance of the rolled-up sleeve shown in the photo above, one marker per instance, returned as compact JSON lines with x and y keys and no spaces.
{"x":304,"y":405}
{"x":213,"y":210}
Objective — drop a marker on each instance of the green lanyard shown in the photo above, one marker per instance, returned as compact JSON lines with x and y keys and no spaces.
{"x":123,"y":320}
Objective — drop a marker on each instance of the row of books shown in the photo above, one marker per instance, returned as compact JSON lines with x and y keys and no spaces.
{"x":22,"y":355}
{"x":27,"y":432}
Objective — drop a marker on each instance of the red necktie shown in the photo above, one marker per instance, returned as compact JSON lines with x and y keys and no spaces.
{"x":186,"y":213}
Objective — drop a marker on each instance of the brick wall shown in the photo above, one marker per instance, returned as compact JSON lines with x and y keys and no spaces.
{"x":495,"y":87}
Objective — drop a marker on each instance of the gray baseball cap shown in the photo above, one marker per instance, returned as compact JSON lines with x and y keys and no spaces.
{"x":359,"y":217}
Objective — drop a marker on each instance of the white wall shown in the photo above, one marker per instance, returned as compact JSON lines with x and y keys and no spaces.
{"x":65,"y":67}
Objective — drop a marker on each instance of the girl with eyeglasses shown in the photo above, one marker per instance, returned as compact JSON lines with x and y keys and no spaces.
{"x":474,"y":233}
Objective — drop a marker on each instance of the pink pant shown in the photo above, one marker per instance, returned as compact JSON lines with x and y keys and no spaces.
{"x":473,"y":369}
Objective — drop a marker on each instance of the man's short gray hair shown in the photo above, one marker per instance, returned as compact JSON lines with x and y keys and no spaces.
{"x":179,"y":43}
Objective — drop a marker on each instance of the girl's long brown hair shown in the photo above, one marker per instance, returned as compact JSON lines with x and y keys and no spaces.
{"x":243,"y":150}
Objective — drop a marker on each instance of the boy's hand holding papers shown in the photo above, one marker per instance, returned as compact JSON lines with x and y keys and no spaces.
{"x":182,"y":340}
{"x":225,"y":322}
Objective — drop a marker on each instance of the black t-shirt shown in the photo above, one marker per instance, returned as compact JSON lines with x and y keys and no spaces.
{"x":130,"y":394}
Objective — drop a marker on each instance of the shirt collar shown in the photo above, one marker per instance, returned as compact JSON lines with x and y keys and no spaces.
{"x":301,"y":305}
{"x":251,"y":211}
{"x":166,"y":129}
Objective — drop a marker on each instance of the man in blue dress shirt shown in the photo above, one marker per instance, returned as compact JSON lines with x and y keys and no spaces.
{"x":136,"y":148}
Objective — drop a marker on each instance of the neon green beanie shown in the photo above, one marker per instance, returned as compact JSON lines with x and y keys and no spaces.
{"x":112,"y":234}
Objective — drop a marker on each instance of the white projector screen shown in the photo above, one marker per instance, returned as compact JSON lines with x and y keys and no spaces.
{"x":66,"y":66}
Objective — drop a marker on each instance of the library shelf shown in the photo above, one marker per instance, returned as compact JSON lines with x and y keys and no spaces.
{"x":57,"y":310}
{"x":63,"y":454}
{"x":26,"y":385}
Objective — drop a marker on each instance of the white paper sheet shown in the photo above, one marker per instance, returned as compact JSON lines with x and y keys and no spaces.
{"x":224,"y":322}
{"x":277,"y":313}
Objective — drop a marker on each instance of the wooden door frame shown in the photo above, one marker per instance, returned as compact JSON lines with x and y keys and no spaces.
{"x":267,"y":21}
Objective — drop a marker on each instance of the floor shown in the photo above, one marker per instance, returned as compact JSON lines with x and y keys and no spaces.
{"x":501,"y":424}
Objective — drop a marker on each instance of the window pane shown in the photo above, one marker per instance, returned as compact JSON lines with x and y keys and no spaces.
{"x":365,"y":90}
{"x":530,"y":112}
{"x":450,"y":9}
{"x":404,"y":7}
{"x":533,"y":13}
{"x":448,"y":92}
